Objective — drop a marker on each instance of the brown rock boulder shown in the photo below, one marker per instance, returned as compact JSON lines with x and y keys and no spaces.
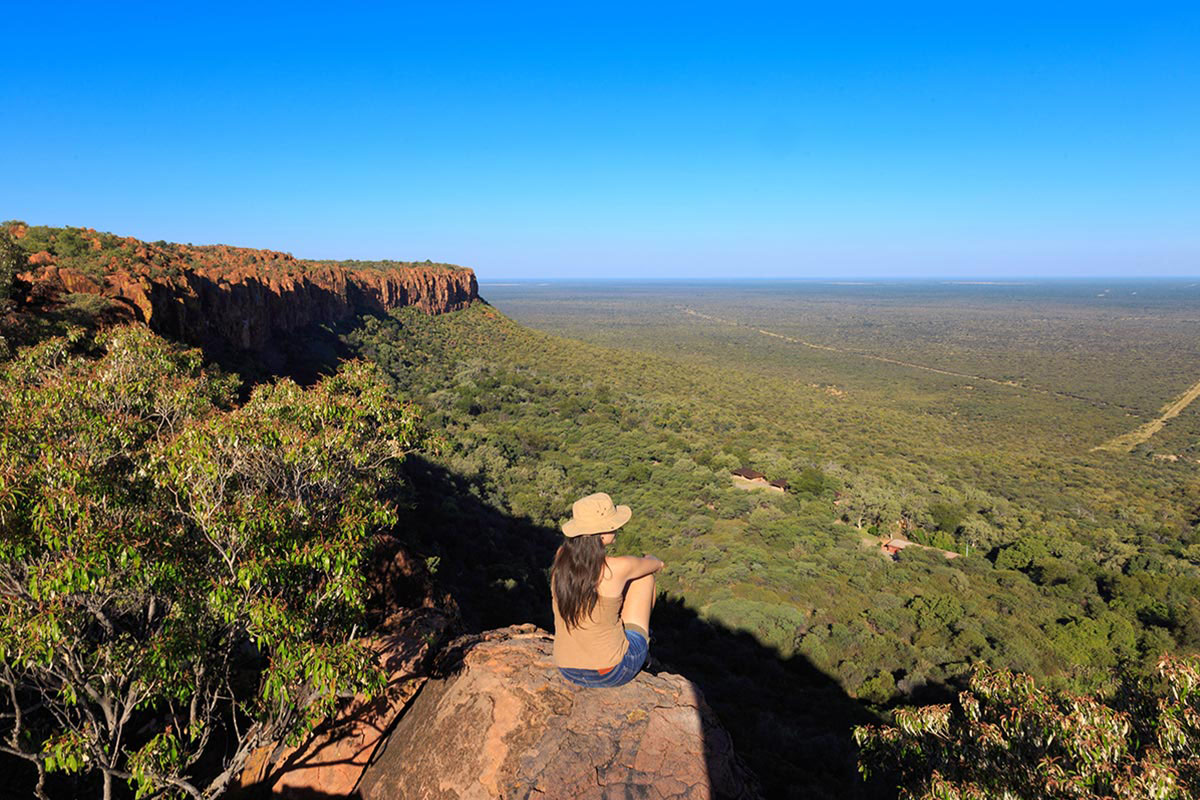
{"x":503,"y":723}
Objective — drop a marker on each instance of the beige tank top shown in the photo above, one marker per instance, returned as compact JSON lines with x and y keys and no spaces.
{"x":597,"y":643}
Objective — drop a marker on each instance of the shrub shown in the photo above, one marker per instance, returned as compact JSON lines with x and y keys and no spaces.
{"x":175,"y":571}
{"x":13,"y":259}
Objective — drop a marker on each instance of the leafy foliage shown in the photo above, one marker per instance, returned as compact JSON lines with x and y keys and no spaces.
{"x":1007,"y":738}
{"x":180,"y":577}
{"x":12,"y":260}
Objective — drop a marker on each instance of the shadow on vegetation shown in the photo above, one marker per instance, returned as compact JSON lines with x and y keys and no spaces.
{"x":305,"y":355}
{"x":789,"y":721}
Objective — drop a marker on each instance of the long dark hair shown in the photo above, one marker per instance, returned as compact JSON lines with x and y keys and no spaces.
{"x":576,"y":571}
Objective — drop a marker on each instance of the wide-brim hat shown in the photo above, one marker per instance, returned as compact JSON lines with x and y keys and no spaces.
{"x":595,"y":514}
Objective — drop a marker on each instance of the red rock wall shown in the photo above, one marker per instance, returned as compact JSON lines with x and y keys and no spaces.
{"x":249,"y":309}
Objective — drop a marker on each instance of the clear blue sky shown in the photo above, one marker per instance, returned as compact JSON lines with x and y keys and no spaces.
{"x":610,"y":140}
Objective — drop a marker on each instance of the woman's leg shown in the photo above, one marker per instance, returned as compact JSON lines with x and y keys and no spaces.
{"x":639,"y":601}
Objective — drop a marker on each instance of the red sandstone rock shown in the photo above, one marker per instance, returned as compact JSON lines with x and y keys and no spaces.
{"x":506,"y":725}
{"x":246,"y":298}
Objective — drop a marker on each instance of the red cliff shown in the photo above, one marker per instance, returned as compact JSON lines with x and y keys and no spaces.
{"x":237,"y":296}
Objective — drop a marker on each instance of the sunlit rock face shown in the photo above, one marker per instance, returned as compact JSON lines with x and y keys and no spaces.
{"x":502,"y":723}
{"x":244,"y":298}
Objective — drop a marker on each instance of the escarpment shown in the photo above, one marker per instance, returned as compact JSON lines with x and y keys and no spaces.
{"x":247,"y":310}
{"x":235,"y":297}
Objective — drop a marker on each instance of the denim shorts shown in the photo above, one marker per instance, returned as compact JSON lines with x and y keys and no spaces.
{"x":619,"y":675}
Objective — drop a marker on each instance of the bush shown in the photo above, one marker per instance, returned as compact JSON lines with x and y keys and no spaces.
{"x":13,"y":259}
{"x":175,"y":571}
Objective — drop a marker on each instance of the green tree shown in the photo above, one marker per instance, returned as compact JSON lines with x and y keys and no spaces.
{"x":175,"y":571}
{"x":811,"y":481}
{"x":13,"y":259}
{"x":937,"y":611}
{"x":866,"y":502}
{"x":947,"y":517}
{"x":69,"y":243}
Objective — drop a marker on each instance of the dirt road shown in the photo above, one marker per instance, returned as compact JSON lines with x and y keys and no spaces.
{"x":1127,"y":441}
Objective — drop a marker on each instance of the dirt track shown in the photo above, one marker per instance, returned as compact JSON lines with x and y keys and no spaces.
{"x":1127,"y":441}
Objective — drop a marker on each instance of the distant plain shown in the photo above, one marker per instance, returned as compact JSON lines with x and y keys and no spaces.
{"x":1072,"y":364}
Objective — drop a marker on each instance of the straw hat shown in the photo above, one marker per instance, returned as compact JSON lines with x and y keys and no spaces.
{"x":595,"y":514}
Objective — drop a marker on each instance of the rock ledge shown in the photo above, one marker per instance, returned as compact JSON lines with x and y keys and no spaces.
{"x":499,"y":721}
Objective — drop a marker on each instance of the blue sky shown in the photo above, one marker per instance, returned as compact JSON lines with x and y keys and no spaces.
{"x":611,"y":140}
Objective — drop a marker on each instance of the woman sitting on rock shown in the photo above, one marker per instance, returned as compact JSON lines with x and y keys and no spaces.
{"x":601,"y":603}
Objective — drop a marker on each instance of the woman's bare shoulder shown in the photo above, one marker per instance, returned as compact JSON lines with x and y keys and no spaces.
{"x":619,"y":565}
{"x":616,"y":571}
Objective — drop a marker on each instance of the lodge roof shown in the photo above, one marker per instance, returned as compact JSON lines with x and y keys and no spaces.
{"x":749,"y":474}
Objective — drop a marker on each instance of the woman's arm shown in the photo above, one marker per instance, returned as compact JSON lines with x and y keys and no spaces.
{"x":629,"y":568}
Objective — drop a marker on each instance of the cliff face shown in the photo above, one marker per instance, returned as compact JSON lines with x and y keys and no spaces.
{"x":239,"y":297}
{"x":248,"y":310}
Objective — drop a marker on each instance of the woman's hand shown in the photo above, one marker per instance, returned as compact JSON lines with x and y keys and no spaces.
{"x":660,"y":562}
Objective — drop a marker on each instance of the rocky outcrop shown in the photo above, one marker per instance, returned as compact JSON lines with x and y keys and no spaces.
{"x":242,"y":298}
{"x":503,"y":723}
